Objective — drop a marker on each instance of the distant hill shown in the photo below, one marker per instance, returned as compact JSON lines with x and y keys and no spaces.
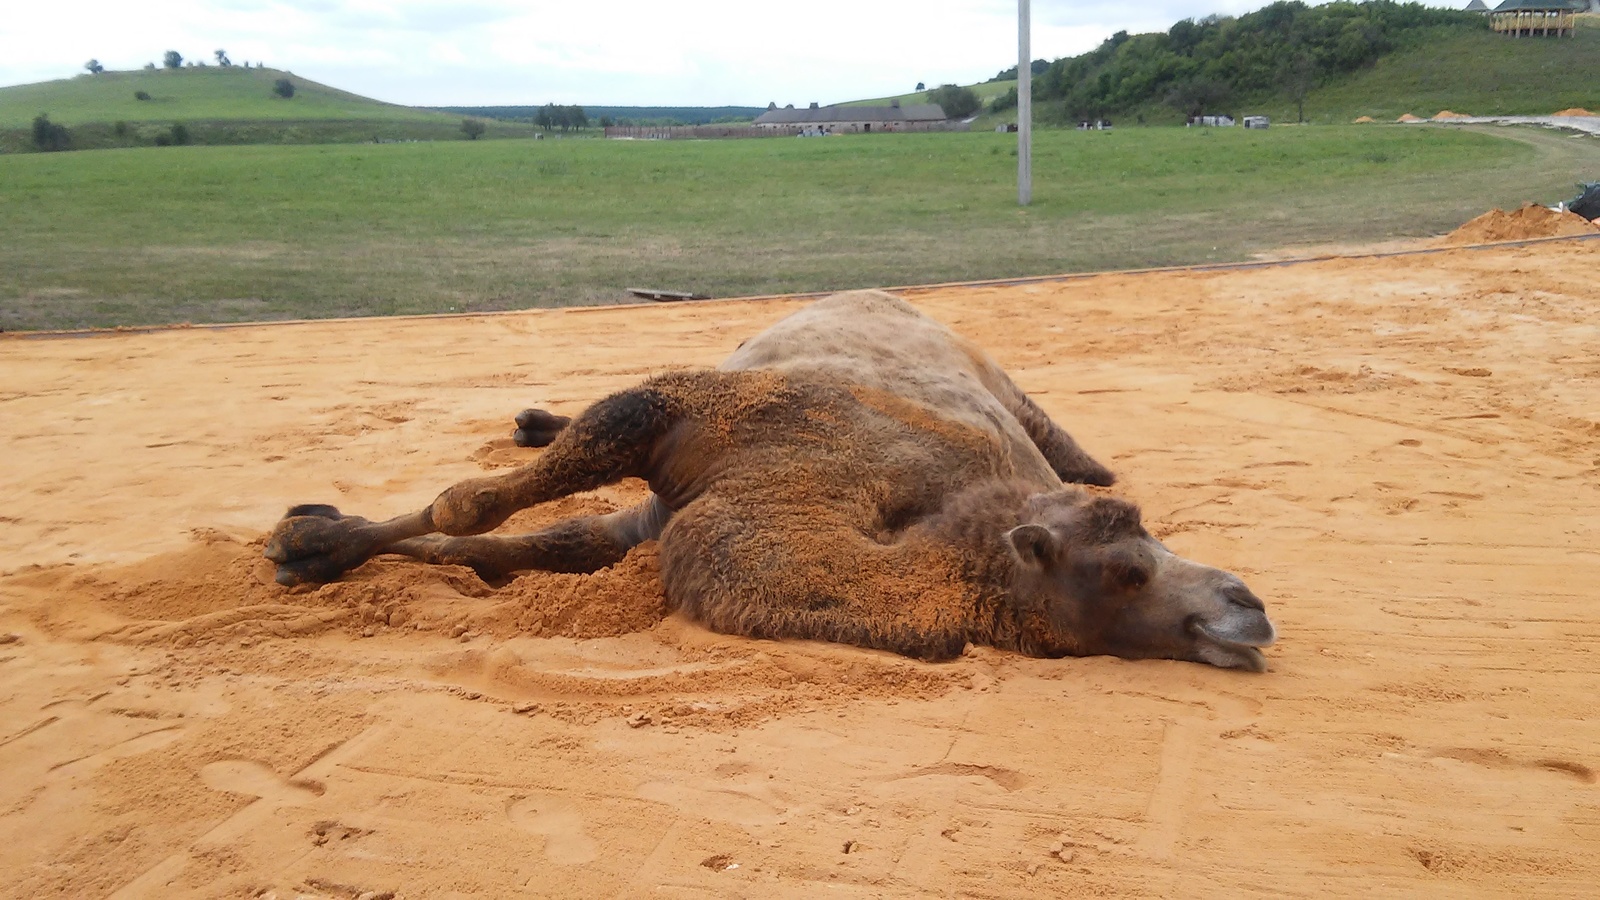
{"x":635,"y":115}
{"x":199,"y":93}
{"x":1340,"y":60}
{"x":1333,"y":62}
{"x":1477,"y":73}
{"x":987,"y":91}
{"x":216,"y":105}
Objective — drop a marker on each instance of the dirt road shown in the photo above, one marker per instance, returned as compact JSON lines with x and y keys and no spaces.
{"x":1402,"y":456}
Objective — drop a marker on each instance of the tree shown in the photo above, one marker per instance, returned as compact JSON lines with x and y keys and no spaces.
{"x":49,"y":136}
{"x":222,"y":58}
{"x":956,"y":101}
{"x":172,"y":59}
{"x":1299,"y":77}
{"x":471,"y":128}
{"x":1198,"y":96}
{"x":607,"y":121}
{"x":180,"y":133}
{"x":921,"y":86}
{"x":544,"y":119}
{"x":284,"y":88}
{"x":94,"y":67}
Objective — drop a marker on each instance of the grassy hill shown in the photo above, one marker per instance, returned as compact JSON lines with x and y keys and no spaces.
{"x":1378,"y":58}
{"x":1476,"y":73}
{"x":210,"y":93}
{"x":216,"y":105}
{"x":986,"y":91}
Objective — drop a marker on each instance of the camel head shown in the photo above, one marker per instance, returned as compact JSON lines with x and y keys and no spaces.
{"x":1094,"y":578}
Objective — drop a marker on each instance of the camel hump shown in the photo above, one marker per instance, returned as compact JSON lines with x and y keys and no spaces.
{"x":878,"y":341}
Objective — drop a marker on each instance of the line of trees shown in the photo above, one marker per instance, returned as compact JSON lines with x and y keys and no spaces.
{"x":1202,"y":66}
{"x":566,"y":118}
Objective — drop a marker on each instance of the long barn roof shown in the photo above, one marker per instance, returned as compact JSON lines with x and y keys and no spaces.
{"x":916,"y":112}
{"x":1542,"y":6}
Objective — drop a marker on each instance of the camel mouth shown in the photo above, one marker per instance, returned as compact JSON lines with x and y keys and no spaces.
{"x":1235,"y":651}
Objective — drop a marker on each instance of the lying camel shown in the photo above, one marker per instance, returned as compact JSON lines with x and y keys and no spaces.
{"x":856,"y":473}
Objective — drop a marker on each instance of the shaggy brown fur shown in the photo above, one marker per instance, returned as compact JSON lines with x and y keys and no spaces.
{"x":857,"y":473}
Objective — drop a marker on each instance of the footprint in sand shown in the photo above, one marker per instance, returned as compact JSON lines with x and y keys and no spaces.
{"x":246,"y":776}
{"x":717,"y":803}
{"x":565,"y":842}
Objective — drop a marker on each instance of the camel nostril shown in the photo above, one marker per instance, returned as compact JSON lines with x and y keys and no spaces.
{"x":1239,"y":595}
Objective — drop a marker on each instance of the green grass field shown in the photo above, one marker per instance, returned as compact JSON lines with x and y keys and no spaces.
{"x":211,"y":234}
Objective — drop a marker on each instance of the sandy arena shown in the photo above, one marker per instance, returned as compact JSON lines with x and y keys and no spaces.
{"x":1402,"y":456}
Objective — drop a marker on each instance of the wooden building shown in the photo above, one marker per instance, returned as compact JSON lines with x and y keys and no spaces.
{"x":851,"y":119}
{"x":1537,"y":18}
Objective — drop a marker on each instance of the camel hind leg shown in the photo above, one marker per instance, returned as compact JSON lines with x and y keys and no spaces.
{"x":610,"y":441}
{"x":1069,"y":460}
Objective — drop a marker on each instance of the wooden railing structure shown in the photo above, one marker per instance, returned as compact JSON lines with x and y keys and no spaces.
{"x":1534,"y":22}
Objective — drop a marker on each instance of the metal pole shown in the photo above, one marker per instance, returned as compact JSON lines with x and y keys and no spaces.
{"x":1024,"y":108}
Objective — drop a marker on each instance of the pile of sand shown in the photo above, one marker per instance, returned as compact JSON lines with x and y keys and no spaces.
{"x":1575,"y":111}
{"x":1531,"y":221}
{"x":1447,"y":114}
{"x":1363,"y":120}
{"x":1408,"y":117}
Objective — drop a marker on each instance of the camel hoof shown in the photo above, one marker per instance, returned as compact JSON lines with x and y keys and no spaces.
{"x":537,"y":428}
{"x":320,"y":510}
{"x":314,"y":543}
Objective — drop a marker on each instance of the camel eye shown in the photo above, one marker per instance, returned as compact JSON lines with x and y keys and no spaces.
{"x":1126,"y":574}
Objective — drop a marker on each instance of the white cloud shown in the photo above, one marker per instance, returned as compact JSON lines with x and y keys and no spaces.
{"x":624,"y":52}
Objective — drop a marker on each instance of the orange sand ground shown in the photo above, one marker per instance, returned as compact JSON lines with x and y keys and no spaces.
{"x":1401,"y":455}
{"x":1574,"y":111}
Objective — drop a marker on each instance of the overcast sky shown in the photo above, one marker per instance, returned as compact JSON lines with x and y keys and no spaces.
{"x":612,"y":52}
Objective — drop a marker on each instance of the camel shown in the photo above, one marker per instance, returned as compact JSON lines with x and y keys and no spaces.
{"x":856,"y":473}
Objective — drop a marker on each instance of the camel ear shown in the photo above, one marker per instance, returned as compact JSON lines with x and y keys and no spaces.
{"x":1034,"y":545}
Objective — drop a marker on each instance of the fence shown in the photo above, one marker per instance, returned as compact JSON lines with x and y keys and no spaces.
{"x":703,"y":132}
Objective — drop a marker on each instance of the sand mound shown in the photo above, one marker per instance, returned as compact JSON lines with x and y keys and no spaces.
{"x":1575,"y":111}
{"x":1531,"y":221}
{"x":1363,"y":120}
{"x":1447,"y":114}
{"x":1408,"y":117}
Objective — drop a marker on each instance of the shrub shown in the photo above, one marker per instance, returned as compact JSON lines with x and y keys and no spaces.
{"x":471,"y":128}
{"x":179,"y":133}
{"x":120,"y":129}
{"x":141,"y":95}
{"x":172,"y":59}
{"x":956,"y":101}
{"x":47,"y":135}
{"x":284,"y":88}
